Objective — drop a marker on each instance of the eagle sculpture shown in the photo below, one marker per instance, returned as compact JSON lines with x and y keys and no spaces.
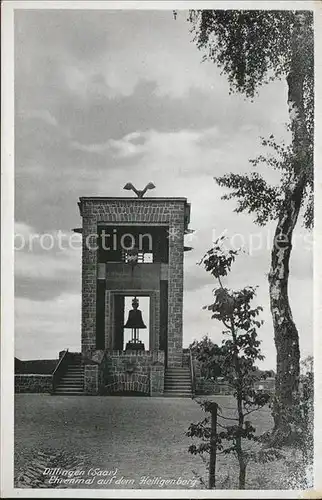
{"x":140,"y":193}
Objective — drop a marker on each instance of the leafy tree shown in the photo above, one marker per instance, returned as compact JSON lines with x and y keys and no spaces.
{"x":253,"y":48}
{"x":235,"y":358}
{"x":200,"y":350}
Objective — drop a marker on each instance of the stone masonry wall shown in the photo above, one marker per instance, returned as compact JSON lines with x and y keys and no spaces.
{"x":157,"y":380}
{"x":33,"y":383}
{"x":89,"y":270}
{"x":128,"y":382}
{"x":91,"y":379}
{"x":175,"y":287}
{"x":206,"y":386}
{"x":133,"y":372}
{"x":140,"y":211}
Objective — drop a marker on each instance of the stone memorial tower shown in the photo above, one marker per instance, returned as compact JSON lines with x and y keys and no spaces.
{"x":133,"y":247}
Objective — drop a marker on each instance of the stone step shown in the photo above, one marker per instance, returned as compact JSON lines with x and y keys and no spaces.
{"x":176,"y":385}
{"x":66,"y":391}
{"x":67,"y":388}
{"x":68,"y":385}
{"x":177,"y":377}
{"x":178,"y":369}
{"x":177,"y":394}
{"x":69,"y":393}
{"x":78,"y":380}
{"x":178,"y":374}
{"x":178,"y":388}
{"x":180,"y":379}
{"x":71,"y":382}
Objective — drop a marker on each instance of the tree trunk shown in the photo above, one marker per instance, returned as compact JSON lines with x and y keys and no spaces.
{"x":242,"y":474}
{"x":213,"y":446}
{"x":239,"y":448}
{"x":285,"y":332}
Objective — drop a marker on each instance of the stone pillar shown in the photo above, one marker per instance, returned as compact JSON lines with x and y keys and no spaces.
{"x":108,"y":320}
{"x":89,"y":272}
{"x":175,"y":291}
{"x":154,"y":321}
{"x":91,"y":379}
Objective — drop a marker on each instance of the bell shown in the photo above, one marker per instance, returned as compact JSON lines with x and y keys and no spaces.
{"x":135,"y":322}
{"x":135,"y":316}
{"x":135,"y":319}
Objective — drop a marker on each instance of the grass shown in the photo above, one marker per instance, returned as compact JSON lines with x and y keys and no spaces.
{"x":140,"y":437}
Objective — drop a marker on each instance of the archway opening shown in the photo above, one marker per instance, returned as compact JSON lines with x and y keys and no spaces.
{"x":143,"y":333}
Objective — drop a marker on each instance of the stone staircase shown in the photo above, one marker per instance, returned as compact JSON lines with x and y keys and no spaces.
{"x":72,"y":382}
{"x":177,"y":382}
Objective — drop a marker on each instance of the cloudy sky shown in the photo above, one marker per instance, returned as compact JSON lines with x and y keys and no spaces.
{"x":107,"y":97}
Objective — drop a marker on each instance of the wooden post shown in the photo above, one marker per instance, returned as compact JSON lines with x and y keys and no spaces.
{"x":213,"y":446}
{"x":150,"y":380}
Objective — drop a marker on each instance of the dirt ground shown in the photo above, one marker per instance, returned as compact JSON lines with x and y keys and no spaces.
{"x":125,"y":442}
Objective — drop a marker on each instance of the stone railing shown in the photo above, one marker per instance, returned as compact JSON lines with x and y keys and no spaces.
{"x":61,"y":368}
{"x":192,"y":373}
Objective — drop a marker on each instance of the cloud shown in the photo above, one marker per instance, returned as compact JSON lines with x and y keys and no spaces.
{"x":117,"y":72}
{"x":128,"y":146}
{"x":46,"y":264}
{"x":41,"y":331}
{"x":109,"y":53}
{"x":43,"y":115}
